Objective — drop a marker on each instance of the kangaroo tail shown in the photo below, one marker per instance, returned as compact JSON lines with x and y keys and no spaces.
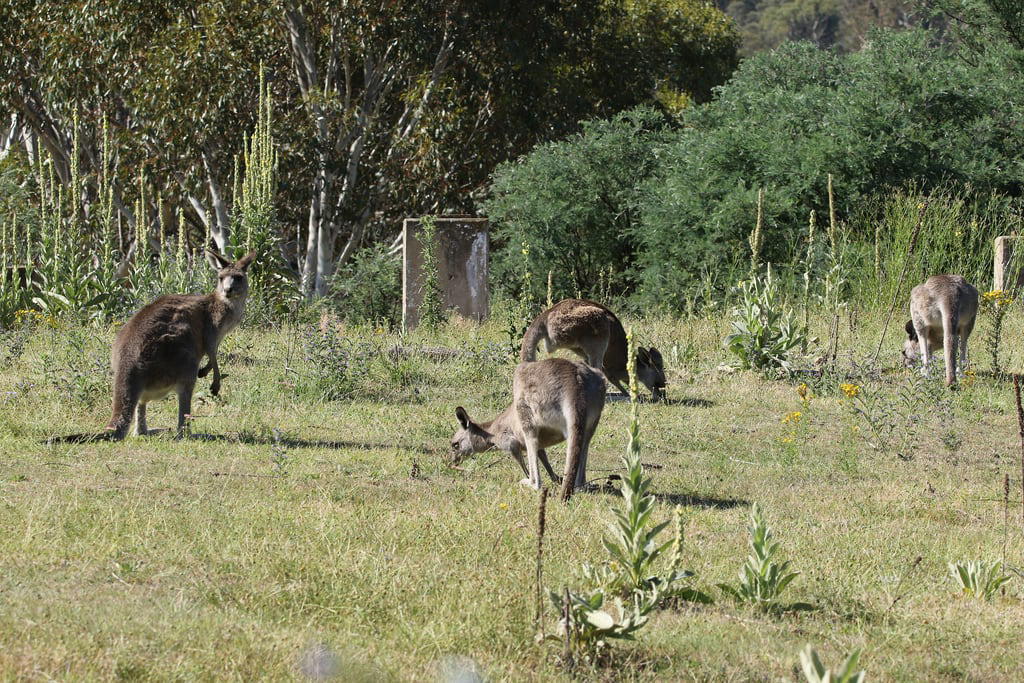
{"x":125,"y":400}
{"x":537,"y":332}
{"x":950,"y":325}
{"x":573,"y":451}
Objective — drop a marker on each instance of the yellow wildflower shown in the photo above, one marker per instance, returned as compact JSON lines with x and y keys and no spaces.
{"x":503,"y":506}
{"x":849,"y":389}
{"x":804,"y":391}
{"x":792,"y":417}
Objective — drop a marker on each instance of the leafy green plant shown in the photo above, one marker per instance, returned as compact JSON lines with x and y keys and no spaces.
{"x":816,"y":672}
{"x":761,"y":579}
{"x":978,"y":578}
{"x":368,"y":289}
{"x":626,"y":588}
{"x":430,"y":312}
{"x":892,"y":422}
{"x":766,"y":334}
{"x":995,"y":305}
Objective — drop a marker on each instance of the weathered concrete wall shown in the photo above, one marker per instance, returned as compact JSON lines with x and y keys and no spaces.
{"x":463,"y":252}
{"x":1006,"y":273}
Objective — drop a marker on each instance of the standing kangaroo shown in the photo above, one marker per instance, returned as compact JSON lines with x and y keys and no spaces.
{"x":942,"y":311}
{"x":159,"y":349}
{"x":553,"y":400}
{"x":592,"y":331}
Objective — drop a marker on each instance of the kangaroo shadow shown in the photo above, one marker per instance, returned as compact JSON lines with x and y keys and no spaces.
{"x":688,"y":402}
{"x":700,"y":501}
{"x":295,"y":442}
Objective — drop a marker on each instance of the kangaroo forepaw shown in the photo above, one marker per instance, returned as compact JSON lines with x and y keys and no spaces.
{"x":204,"y":371}
{"x":215,"y":388}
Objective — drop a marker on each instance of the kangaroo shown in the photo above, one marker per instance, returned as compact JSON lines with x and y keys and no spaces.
{"x":553,"y":400}
{"x":942,"y":311}
{"x":592,"y":331}
{"x":159,"y":349}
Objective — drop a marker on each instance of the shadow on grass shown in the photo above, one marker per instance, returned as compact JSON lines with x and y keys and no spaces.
{"x":295,"y":442}
{"x":688,"y":402}
{"x":700,"y":501}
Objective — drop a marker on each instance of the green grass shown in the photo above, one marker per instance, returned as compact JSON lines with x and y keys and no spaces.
{"x":154,"y":559}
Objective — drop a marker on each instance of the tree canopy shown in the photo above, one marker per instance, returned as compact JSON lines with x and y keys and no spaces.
{"x":381,"y":110}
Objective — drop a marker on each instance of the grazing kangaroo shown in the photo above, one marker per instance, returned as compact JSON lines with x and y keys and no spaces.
{"x":592,"y":331}
{"x":942,"y":311}
{"x":159,"y":349}
{"x":553,"y":400}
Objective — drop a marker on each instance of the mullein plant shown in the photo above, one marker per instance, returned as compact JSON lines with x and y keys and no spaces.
{"x":762,"y":579}
{"x":627,"y":587}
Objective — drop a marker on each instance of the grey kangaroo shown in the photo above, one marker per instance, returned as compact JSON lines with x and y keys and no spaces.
{"x":553,"y":400}
{"x":159,"y":349}
{"x":942,"y":311}
{"x":592,"y":331}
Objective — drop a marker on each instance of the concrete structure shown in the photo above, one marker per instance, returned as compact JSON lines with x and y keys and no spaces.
{"x":1007,"y":273}
{"x":462,"y":250}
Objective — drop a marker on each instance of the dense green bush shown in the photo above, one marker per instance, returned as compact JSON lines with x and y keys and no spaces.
{"x":574,"y":204}
{"x":368,"y":289}
{"x":668,"y":209}
{"x":901,"y":111}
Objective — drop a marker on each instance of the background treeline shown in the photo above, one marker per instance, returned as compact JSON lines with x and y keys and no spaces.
{"x":129,"y":131}
{"x":381,"y":109}
{"x":658,"y":210}
{"x":840,"y":24}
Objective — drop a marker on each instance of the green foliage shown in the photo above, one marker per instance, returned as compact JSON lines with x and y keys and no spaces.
{"x":574,"y":203}
{"x":628,"y":576}
{"x":816,"y":672}
{"x":902,"y":110}
{"x":761,"y":580}
{"x":431,"y":306}
{"x":766,"y":334}
{"x":978,"y":578}
{"x":956,"y":226}
{"x":368,"y":289}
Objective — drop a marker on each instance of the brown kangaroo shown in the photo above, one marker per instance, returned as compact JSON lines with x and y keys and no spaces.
{"x":592,"y":331}
{"x":159,"y":349}
{"x":553,"y":400}
{"x":942,"y":311}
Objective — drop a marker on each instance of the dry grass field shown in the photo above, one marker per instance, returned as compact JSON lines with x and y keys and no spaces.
{"x":312,"y":523}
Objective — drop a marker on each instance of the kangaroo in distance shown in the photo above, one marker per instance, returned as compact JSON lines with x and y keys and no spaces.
{"x":159,"y":349}
{"x":942,"y":311}
{"x":592,"y":331}
{"x":553,"y":400}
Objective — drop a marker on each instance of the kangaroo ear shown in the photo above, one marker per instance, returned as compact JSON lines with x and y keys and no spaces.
{"x":911,"y":332}
{"x":460,"y":413}
{"x":659,"y":362}
{"x":215,"y":260}
{"x":246,"y":260}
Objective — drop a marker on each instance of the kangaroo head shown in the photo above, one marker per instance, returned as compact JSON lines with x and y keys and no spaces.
{"x":232,"y":281}
{"x":650,"y":370}
{"x":911,"y":349}
{"x":469,"y":438}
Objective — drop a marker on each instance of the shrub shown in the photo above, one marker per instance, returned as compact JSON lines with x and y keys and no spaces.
{"x":766,"y":334}
{"x":574,"y":205}
{"x":368,"y":288}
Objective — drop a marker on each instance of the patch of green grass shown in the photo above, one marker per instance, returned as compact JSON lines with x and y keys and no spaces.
{"x":159,"y":559}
